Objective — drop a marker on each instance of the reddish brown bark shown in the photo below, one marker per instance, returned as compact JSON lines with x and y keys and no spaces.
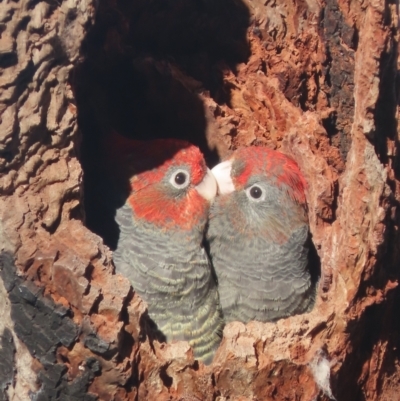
{"x":317,"y":81}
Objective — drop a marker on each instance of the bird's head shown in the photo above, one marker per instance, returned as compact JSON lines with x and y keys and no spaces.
{"x":170,"y":185}
{"x":264,"y":188}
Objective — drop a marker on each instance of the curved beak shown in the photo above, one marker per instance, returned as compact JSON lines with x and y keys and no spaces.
{"x":222,"y":173}
{"x":208,"y":187}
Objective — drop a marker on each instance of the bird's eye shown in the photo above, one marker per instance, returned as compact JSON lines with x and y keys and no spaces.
{"x":180,"y":179}
{"x":255,"y":193}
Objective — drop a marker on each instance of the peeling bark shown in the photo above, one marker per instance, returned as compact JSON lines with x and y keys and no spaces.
{"x":316,"y":81}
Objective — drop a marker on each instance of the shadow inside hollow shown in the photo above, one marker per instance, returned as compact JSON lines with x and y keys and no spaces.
{"x":145,"y":62}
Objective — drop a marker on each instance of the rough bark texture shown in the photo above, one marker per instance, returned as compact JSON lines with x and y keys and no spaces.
{"x":316,"y":80}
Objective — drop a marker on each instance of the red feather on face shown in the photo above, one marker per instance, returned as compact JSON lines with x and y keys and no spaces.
{"x":148,"y":164}
{"x":155,"y":207}
{"x":272,"y":164}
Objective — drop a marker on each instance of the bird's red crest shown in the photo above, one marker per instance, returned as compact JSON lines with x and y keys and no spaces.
{"x":254,"y":160}
{"x":154,"y":157}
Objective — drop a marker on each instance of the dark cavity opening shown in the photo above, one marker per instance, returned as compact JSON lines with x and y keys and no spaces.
{"x":146,"y":61}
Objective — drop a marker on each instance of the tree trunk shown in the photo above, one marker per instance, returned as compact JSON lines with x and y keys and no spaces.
{"x":316,"y":81}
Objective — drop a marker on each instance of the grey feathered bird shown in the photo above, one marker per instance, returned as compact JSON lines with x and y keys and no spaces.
{"x":258,"y":236}
{"x":161,"y":234}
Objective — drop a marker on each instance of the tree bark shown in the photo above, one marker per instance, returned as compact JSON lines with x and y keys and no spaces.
{"x":317,"y":81}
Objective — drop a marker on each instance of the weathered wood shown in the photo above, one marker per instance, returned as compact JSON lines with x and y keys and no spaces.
{"x":317,"y":81}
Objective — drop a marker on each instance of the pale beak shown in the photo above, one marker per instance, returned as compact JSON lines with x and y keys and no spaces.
{"x":208,"y":187}
{"x":222,"y":173}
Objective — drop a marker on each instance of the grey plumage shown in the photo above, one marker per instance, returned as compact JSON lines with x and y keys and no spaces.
{"x":166,"y":190}
{"x":259,"y":245}
{"x":172,"y":274}
{"x":260,"y":280}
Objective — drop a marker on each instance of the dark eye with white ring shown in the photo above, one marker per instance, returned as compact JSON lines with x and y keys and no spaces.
{"x":180,"y":179}
{"x":255,"y":193}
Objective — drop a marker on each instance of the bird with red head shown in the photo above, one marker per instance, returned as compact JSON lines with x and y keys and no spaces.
{"x":258,"y":236}
{"x":166,"y":191}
